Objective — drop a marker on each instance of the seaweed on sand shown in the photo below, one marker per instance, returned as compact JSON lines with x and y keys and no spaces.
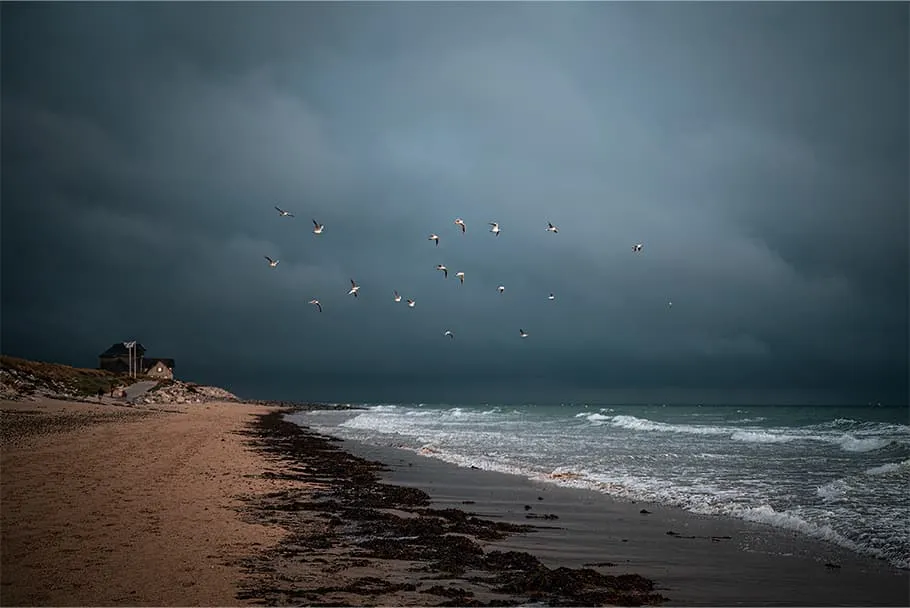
{"x":354,"y":540}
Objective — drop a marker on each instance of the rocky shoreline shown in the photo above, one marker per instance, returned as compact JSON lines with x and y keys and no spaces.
{"x":177,"y":391}
{"x":356,"y":541}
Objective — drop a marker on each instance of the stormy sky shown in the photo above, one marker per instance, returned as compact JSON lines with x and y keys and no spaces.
{"x":759,"y":151}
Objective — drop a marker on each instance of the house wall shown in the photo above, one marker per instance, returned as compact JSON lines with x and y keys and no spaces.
{"x":161,"y":371}
{"x":114,"y":364}
{"x":118,"y":365}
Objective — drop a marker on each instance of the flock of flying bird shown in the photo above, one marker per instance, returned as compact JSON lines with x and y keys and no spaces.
{"x":494,"y":228}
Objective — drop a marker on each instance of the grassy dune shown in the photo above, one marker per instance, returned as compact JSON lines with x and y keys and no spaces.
{"x":63,"y":378}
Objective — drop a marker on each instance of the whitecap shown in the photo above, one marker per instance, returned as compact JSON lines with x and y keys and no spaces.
{"x":791,"y":521}
{"x":641,"y":424}
{"x":383,"y":408}
{"x":832,"y":491}
{"x":850,"y":443}
{"x":761,"y":437}
{"x":889,"y":467}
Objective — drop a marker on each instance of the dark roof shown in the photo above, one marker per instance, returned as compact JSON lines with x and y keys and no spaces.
{"x":149,"y":362}
{"x":117,"y":349}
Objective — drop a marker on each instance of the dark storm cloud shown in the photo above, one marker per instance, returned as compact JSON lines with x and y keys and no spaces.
{"x":758,"y":150}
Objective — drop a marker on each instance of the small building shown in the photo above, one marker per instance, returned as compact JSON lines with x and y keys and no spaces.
{"x":117,"y":358}
{"x":156,"y":367}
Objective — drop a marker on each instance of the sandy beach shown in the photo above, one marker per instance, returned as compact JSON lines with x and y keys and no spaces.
{"x":229,"y":504}
{"x":115,"y":505}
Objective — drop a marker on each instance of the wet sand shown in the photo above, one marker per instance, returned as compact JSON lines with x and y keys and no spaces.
{"x":693,"y":560}
{"x":227,"y":504}
{"x":359,"y":542}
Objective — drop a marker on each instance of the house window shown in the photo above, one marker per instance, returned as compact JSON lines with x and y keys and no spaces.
{"x":159,"y":369}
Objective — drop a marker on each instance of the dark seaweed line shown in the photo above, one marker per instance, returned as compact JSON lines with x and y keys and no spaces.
{"x":353,"y":527}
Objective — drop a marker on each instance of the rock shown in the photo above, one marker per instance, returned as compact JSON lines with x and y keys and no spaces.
{"x":177,"y":391}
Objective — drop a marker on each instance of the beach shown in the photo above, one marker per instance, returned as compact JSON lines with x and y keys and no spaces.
{"x":115,"y":505}
{"x":693,"y":560}
{"x":230,"y":504}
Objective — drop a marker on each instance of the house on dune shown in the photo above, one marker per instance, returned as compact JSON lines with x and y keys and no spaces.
{"x":117,"y":359}
{"x":159,"y":368}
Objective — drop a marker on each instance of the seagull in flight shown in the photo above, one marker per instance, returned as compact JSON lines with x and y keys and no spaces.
{"x":460,"y":222}
{"x":317,"y":227}
{"x":449,"y":334}
{"x":283,"y":213}
{"x":272,"y":262}
{"x":551,"y":297}
{"x":495,"y":228}
{"x":354,"y":288}
{"x":552,"y":228}
{"x":637,"y":247}
{"x":445,"y":271}
{"x":397,"y":297}
{"x":316,"y":303}
{"x":411,"y":303}
{"x":460,"y":275}
{"x":501,"y":288}
{"x":434,"y":237}
{"x":522,"y":333}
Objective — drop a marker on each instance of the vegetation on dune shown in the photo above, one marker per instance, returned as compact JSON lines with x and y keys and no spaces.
{"x":21,"y":378}
{"x":64,"y":378}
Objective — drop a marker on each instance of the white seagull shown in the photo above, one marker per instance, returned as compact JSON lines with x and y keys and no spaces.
{"x":317,"y":227}
{"x":316,"y":304}
{"x":283,"y":213}
{"x":449,"y":334}
{"x":522,"y":333}
{"x":460,"y":275}
{"x":434,"y":237}
{"x":501,"y":288}
{"x":460,"y":222}
{"x":551,"y":297}
{"x":495,"y":228}
{"x":354,"y":288}
{"x":411,"y":303}
{"x":552,"y":228}
{"x":637,"y":247}
{"x":272,"y":262}
{"x":445,"y":271}
{"x":397,"y":297}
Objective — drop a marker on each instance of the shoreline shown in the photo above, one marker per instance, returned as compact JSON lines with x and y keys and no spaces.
{"x":706,"y":561}
{"x":694,"y":559}
{"x":380,"y":544}
{"x":233,"y":504}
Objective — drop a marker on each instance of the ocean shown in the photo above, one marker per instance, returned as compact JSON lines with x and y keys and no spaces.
{"x":839,"y":474}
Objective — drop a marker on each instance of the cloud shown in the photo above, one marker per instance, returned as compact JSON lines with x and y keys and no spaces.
{"x":767,"y":183}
